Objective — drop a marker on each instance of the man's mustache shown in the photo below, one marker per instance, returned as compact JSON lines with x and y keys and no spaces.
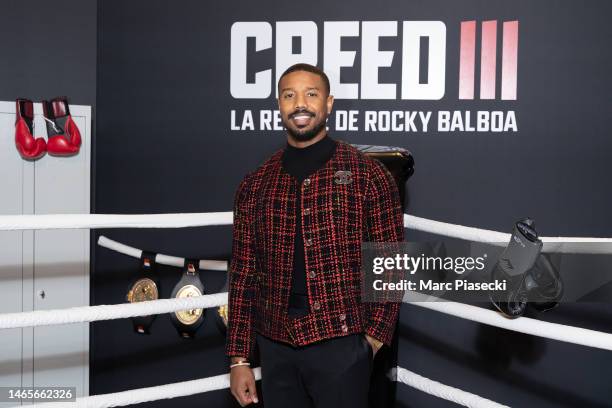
{"x":301,"y":111}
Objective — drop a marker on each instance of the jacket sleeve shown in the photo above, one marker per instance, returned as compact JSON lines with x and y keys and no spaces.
{"x":241,"y":274}
{"x":384,"y":222}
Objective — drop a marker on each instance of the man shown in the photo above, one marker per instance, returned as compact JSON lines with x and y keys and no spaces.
{"x":295,"y":284}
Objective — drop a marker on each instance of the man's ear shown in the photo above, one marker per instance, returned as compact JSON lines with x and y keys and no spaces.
{"x":330,"y":103}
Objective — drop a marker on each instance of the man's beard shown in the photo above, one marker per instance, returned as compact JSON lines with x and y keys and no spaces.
{"x":309,"y":134}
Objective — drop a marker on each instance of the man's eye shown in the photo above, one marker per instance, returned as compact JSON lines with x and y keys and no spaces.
{"x":288,"y":95}
{"x":312,"y":94}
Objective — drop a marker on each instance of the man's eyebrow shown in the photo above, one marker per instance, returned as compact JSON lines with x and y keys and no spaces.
{"x":291,"y":89}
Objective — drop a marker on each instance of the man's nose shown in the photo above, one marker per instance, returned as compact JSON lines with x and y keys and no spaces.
{"x":300,"y":102}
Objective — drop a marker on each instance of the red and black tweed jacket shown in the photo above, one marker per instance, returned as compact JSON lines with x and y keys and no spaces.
{"x":339,"y":211}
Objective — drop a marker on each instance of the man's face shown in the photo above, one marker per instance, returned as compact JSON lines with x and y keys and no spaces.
{"x":304,"y":104}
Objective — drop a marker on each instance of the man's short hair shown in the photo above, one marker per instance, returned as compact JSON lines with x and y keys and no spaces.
{"x":308,"y":68}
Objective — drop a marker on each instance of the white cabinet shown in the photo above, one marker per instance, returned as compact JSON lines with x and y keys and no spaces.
{"x":46,"y":269}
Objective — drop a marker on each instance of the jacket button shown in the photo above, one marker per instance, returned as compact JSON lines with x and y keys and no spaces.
{"x":344,"y":328}
{"x":308,"y":242}
{"x":342,"y":317}
{"x":312,"y":274}
{"x":316,"y":305}
{"x":306,"y":211}
{"x":306,"y":182}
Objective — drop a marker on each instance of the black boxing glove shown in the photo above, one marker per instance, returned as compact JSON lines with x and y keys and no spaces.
{"x":513,"y":266}
{"x":544,"y":285}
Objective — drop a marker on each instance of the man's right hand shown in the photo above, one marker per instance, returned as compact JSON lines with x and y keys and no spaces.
{"x":242,"y":384}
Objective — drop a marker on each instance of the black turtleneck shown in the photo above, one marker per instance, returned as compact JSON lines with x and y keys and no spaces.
{"x":300,"y":163}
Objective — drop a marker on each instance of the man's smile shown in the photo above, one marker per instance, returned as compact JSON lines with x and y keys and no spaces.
{"x":301,"y":118}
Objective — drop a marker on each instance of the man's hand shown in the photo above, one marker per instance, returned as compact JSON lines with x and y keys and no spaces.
{"x":242,"y":384}
{"x":375,"y":344}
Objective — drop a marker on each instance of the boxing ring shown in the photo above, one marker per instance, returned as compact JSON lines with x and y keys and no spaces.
{"x":555,"y":331}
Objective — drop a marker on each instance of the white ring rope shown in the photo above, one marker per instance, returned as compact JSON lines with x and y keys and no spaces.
{"x":148,"y":394}
{"x":555,"y":331}
{"x":440,"y":390}
{"x":213,"y":265}
{"x":183,"y":220}
{"x":107,"y":312}
{"x":574,"y":245}
{"x":218,"y":382}
{"x":85,"y":221}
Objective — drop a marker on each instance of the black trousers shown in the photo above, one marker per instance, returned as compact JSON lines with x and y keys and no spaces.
{"x":332,"y":373}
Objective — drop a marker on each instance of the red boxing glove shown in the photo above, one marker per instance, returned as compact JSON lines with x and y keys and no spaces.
{"x":28,"y":147}
{"x":64,"y":138}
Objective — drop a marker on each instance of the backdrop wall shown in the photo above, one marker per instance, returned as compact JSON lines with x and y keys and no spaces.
{"x":173,"y":135}
{"x":181,"y":120}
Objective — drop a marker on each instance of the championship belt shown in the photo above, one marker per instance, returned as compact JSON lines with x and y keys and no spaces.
{"x":188,"y":321}
{"x":144,"y":288}
{"x":222,"y":313}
